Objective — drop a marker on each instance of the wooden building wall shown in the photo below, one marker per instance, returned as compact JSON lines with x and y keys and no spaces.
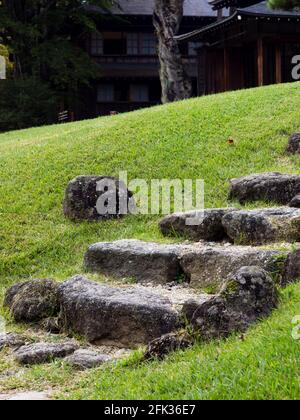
{"x":248,"y":56}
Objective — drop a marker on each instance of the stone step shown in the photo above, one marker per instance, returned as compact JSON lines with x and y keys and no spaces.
{"x":201,"y":265}
{"x":272,"y":187}
{"x":143,"y":261}
{"x":196,"y":225}
{"x":109,"y":317}
{"x":211,"y":265}
{"x":263,"y":226}
{"x":132,"y":316}
{"x":249,"y":295}
{"x":120,"y":316}
{"x":243,"y":227}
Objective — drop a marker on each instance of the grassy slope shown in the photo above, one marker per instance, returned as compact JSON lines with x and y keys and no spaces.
{"x":183,"y":140}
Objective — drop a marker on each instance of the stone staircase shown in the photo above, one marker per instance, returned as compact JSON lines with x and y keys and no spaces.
{"x":225,"y":255}
{"x":225,"y":246}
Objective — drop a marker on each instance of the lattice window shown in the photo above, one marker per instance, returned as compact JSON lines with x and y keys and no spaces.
{"x":132,"y":44}
{"x":139,"y":93}
{"x":148,"y":44}
{"x":96,"y":44}
{"x":105,"y":92}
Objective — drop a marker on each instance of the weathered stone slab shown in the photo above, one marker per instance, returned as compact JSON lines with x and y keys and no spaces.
{"x":291,"y":272}
{"x":39,"y":353}
{"x":272,"y":187}
{"x":83,"y":193}
{"x":143,"y":261}
{"x":209,"y":227}
{"x":32,"y":300}
{"x":199,"y":264}
{"x":257,"y":227}
{"x":246,"y":297}
{"x":115,"y":316}
{"x":87,"y":359}
{"x":293,"y":146}
{"x":207,"y":266}
{"x":11,"y":340}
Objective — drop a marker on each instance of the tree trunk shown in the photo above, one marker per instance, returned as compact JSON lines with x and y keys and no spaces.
{"x":175,"y":82}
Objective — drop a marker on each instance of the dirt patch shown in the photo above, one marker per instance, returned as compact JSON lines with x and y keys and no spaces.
{"x":25,"y":396}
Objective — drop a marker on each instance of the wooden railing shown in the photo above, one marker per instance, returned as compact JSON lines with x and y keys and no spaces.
{"x":137,"y":59}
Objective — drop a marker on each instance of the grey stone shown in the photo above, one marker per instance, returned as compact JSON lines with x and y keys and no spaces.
{"x":208,"y":266}
{"x":11,"y":340}
{"x":295,"y":202}
{"x":209,"y":227}
{"x":82,"y":195}
{"x":39,"y":353}
{"x":258,"y":227}
{"x":144,"y":262}
{"x":168,"y":343}
{"x":293,"y":146}
{"x":125,"y":317}
{"x":87,"y":359}
{"x":248,"y":296}
{"x":291,"y":273}
{"x":272,"y":187}
{"x":33,"y":300}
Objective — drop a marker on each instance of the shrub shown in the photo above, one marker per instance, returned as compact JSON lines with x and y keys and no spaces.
{"x":26,"y":103}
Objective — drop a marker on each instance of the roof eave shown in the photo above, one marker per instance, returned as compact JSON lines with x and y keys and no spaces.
{"x":198,"y":32}
{"x":268,"y":15}
{"x":231,"y":19}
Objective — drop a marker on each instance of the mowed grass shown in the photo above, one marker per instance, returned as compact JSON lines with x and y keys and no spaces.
{"x":186,"y":140}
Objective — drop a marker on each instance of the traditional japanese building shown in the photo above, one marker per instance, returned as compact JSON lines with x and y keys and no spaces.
{"x":253,"y":46}
{"x":125,"y":49}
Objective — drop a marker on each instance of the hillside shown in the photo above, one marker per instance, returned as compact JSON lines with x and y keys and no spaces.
{"x":182,"y":140}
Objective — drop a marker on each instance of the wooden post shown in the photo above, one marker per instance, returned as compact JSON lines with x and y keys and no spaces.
{"x":226,"y":70}
{"x":278,"y":64}
{"x":260,"y":62}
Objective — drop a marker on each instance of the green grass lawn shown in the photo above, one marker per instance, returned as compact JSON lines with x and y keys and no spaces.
{"x":182,"y":140}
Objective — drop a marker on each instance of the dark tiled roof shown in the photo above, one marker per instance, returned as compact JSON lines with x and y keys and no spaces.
{"x":260,"y":9}
{"x":192,"y":8}
{"x":217,"y":4}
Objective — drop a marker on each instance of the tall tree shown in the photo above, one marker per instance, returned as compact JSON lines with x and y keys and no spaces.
{"x":284,"y":4}
{"x":167,"y":18}
{"x":45,"y":36}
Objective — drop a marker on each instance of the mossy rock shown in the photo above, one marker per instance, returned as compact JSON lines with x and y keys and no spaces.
{"x":32,"y":301}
